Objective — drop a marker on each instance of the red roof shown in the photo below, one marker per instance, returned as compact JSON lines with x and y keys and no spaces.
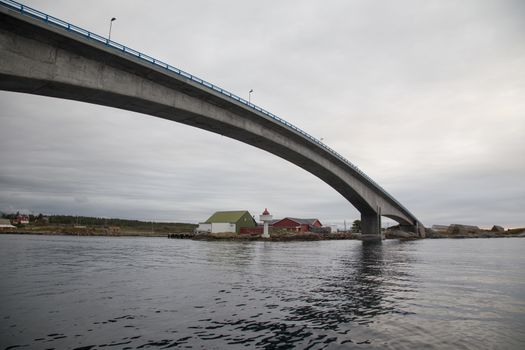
{"x":266,"y":212}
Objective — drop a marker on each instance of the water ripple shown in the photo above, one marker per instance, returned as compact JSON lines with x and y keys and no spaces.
{"x":137,"y":293}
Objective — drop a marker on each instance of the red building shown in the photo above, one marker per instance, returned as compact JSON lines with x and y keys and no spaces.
{"x":20,"y":219}
{"x":298,"y":225}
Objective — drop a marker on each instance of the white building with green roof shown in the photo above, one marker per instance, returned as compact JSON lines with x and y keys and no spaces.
{"x":227,"y":221}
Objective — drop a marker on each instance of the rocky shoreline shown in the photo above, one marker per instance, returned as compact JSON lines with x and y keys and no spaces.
{"x":467,"y":231}
{"x":452,"y":232}
{"x":276,"y":237}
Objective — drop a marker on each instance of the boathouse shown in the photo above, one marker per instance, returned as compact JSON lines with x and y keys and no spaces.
{"x":227,"y":221}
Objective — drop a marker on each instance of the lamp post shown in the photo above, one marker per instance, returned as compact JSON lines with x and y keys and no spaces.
{"x":110,"y":25}
{"x":250,"y":96}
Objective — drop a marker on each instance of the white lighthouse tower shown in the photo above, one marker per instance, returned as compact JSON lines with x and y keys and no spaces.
{"x":265,"y":217}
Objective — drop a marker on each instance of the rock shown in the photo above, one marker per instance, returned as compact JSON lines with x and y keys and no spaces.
{"x":487,"y":235}
{"x":463,"y":230}
{"x":440,"y":228}
{"x":430,"y":233}
{"x":497,"y":228}
{"x":400,"y":234}
{"x":437,"y":235}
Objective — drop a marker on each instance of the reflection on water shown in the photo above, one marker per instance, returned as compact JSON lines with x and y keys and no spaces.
{"x":134,"y":293}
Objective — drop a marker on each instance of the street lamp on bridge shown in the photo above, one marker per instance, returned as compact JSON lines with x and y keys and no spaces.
{"x":250,"y":96}
{"x":110,"y":25}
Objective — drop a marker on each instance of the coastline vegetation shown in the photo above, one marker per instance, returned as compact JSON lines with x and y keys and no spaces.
{"x":95,"y":226}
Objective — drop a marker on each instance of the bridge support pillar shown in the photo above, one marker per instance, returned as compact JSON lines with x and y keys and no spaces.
{"x":371,"y":227}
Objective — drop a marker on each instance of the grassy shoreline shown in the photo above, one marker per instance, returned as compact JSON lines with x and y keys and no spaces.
{"x":155,"y":230}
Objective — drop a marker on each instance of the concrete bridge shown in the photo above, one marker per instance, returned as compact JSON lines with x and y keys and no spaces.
{"x":42,"y":55}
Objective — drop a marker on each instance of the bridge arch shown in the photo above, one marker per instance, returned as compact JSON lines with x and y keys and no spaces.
{"x":42,"y":55}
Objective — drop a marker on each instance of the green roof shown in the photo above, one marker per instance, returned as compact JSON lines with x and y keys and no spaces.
{"x":227,"y":216}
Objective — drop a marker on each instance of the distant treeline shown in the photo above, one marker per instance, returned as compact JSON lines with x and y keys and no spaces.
{"x":94,"y":221}
{"x":32,"y":218}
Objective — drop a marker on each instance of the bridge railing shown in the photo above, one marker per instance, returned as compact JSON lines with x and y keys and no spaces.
{"x":25,"y":10}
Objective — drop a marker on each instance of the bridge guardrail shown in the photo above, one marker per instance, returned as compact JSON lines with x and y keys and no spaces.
{"x":25,"y":10}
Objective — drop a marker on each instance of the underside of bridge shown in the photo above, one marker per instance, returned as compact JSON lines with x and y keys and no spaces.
{"x":41,"y":59}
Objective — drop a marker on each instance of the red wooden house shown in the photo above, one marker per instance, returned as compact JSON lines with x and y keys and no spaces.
{"x":20,"y":219}
{"x":298,"y":225}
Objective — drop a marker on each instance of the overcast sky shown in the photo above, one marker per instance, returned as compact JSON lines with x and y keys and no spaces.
{"x":427,"y":97}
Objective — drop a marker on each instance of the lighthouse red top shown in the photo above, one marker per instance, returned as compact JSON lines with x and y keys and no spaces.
{"x":266,"y":212}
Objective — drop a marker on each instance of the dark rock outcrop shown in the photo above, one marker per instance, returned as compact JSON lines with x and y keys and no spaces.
{"x":398,"y":234}
{"x":462,"y":230}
